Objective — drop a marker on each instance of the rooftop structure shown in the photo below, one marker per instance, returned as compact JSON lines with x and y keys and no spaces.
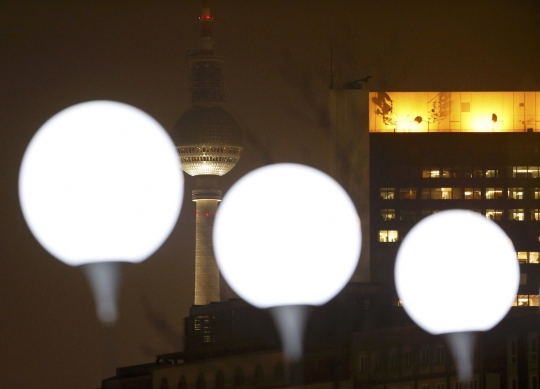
{"x":454,"y":111}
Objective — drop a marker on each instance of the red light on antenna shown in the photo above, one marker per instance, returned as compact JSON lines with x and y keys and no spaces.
{"x":207,"y":214}
{"x":205,"y":17}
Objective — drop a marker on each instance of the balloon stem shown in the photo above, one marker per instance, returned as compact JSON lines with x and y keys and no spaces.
{"x":291,"y":321}
{"x":462,"y":347}
{"x":104,"y":279}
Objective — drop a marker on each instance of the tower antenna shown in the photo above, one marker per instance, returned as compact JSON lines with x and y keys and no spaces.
{"x":206,"y":38}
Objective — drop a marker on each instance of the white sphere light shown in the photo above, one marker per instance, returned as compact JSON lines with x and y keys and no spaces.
{"x":456,"y":271}
{"x":287,"y":234}
{"x":101,"y":181}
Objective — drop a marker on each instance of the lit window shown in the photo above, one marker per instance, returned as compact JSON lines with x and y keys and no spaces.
{"x":473,"y":193}
{"x":407,"y":193}
{"x":526,"y":300}
{"x":388,"y":236}
{"x":478,"y":173}
{"x":535,"y":214}
{"x":519,"y":171}
{"x":433,"y":172}
{"x":492,"y":173}
{"x":494,"y":193}
{"x":516,"y":214}
{"x":441,"y":193}
{"x":494,"y":214}
{"x":387,"y":193}
{"x":515,"y":193}
{"x":536,"y":193}
{"x":533,"y":172}
{"x":388,"y":214}
{"x":534,"y":257}
{"x":522,"y":256}
{"x":445,"y":173}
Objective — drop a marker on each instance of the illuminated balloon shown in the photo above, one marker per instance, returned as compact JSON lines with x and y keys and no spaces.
{"x":456,"y":271}
{"x":100,"y":181}
{"x":287,"y":234}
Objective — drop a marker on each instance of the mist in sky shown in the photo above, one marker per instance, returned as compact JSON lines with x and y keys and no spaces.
{"x":277,"y":74}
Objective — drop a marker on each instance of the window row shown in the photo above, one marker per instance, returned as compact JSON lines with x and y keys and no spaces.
{"x":458,"y":172}
{"x":470,"y":172}
{"x":526,"y":300}
{"x":408,"y":358}
{"x":490,"y":193}
{"x":516,"y":214}
{"x":528,"y":256}
{"x":521,"y":300}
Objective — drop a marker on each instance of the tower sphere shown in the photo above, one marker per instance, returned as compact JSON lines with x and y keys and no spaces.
{"x":208,"y":140}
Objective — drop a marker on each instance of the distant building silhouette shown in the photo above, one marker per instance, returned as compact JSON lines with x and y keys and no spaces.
{"x":401,"y":156}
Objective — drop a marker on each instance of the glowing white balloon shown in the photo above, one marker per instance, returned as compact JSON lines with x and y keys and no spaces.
{"x":100,"y":181}
{"x":456,"y":271}
{"x":287,"y":234}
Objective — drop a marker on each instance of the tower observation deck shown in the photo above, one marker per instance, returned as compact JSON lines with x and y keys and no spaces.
{"x":209,"y":143}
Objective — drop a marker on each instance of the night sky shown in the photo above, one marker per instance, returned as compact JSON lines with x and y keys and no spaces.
{"x":54,"y":54}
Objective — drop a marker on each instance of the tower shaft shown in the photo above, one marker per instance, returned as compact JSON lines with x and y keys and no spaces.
{"x":206,"y":198}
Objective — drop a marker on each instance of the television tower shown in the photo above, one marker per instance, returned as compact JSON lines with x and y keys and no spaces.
{"x":209,"y":142}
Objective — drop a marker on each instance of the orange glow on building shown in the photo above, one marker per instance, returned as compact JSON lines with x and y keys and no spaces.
{"x":454,"y":111}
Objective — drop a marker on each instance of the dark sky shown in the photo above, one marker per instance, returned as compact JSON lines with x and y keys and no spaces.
{"x":57,"y":53}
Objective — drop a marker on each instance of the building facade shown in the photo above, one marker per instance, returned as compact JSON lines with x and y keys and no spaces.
{"x":402,"y":157}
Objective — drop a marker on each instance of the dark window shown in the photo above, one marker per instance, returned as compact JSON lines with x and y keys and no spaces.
{"x":220,"y":380}
{"x":258,"y":376}
{"x":238,"y":378}
{"x":182,"y":384}
{"x":201,"y":382}
{"x":164,"y":384}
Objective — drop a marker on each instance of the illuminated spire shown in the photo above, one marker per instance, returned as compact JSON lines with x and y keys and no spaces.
{"x":206,"y":29}
{"x":209,"y":142}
